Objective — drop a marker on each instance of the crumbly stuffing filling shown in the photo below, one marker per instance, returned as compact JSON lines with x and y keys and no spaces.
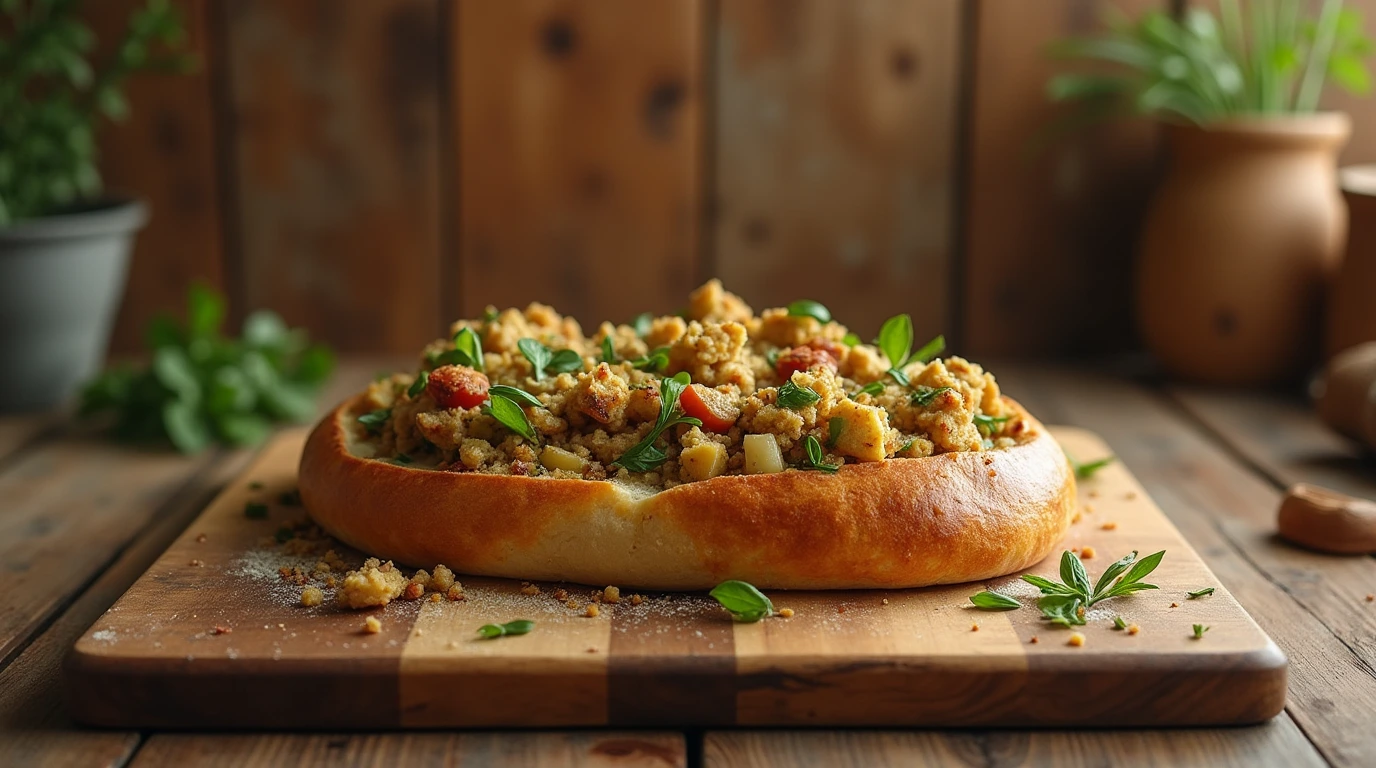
{"x":773,"y":391}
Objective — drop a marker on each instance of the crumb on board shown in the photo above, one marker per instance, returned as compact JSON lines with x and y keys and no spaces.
{"x":200,"y":538}
{"x":220,"y":630}
{"x":1175,"y":605}
{"x":787,"y":613}
{"x":413,"y":591}
{"x":1094,"y":493}
{"x":1089,"y":510}
{"x":1076,"y":517}
{"x":1370,"y":598}
{"x":371,"y":625}
{"x":529,"y":589}
{"x":591,"y":650}
{"x":993,"y":473}
{"x":573,"y":604}
{"x":611,"y":595}
{"x":442,"y":579}
{"x":455,"y":592}
{"x":1087,"y":552}
{"x":561,"y":594}
{"x":1109,"y":526}
{"x":1077,"y":639}
{"x":974,"y":627}
{"x":1130,"y":495}
{"x":637,"y":599}
{"x":1133,"y":629}
{"x":197,"y":563}
{"x":312,"y":596}
{"x":885,"y":601}
{"x":840,"y":609}
{"x":436,"y":597}
{"x":376,"y":583}
{"x":592,"y":611}
{"x":1033,"y":641}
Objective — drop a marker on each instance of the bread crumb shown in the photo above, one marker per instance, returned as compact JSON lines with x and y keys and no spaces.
{"x":787,"y":613}
{"x":1089,"y":510}
{"x":611,"y":595}
{"x":574,"y":604}
{"x":1087,"y":553}
{"x":1130,"y":495}
{"x":591,"y":650}
{"x":1033,"y":641}
{"x":529,"y":589}
{"x":436,"y":597}
{"x":422,"y":578}
{"x":885,"y":601}
{"x":974,"y":627}
{"x":196,"y":564}
{"x":592,"y":611}
{"x":1076,"y":639}
{"x":373,"y":584}
{"x":1370,"y":598}
{"x":452,"y":645}
{"x":1175,"y":605}
{"x":840,"y":609}
{"x":1133,"y":629}
{"x":312,"y":596}
{"x":371,"y":625}
{"x":1075,"y":518}
{"x":1109,"y":526}
{"x":200,"y":538}
{"x":220,"y":630}
{"x":637,"y":599}
{"x":1094,"y":493}
{"x":413,"y":591}
{"x":455,"y":592}
{"x":561,"y":594}
{"x":441,"y":580}
{"x":993,"y":473}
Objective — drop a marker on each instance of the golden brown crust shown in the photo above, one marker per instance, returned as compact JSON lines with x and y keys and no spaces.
{"x":944,"y":519}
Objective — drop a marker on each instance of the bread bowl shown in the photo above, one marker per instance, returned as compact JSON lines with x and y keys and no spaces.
{"x":854,"y":494}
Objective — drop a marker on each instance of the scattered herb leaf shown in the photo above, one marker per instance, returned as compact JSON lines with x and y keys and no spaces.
{"x":809,"y":308}
{"x":1062,"y":610}
{"x":1118,"y":623}
{"x":906,"y":446}
{"x":793,"y":397}
{"x":873,"y":388}
{"x":608,"y":351}
{"x":1198,"y":593}
{"x":254,"y":510}
{"x":990,"y":425}
{"x":1062,"y":600}
{"x":743,"y":601}
{"x":418,"y":386}
{"x":1199,"y":630}
{"x":518,"y":627}
{"x":644,"y":456}
{"x":834,"y":428}
{"x":993,"y":601}
{"x":655,"y":361}
{"x":375,"y":420}
{"x":815,"y":456}
{"x":924,"y":396}
{"x":1087,"y":469}
{"x":290,"y":498}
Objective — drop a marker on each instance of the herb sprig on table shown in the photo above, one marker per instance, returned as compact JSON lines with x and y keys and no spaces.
{"x":201,"y":387}
{"x":518,"y":627}
{"x":743,"y":601}
{"x":1087,"y":469}
{"x":1062,"y":601}
{"x":644,"y":455}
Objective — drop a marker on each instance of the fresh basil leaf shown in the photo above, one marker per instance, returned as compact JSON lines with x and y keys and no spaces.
{"x":924,"y":396}
{"x":834,"y":429}
{"x":794,"y":397}
{"x":1126,"y":588}
{"x":850,"y":340}
{"x":896,"y":339}
{"x":1061,"y":609}
{"x":489,"y":314}
{"x":743,"y":601}
{"x":1199,"y":630}
{"x":1118,"y":623}
{"x":1110,"y":573}
{"x":566,"y":361}
{"x":1073,"y":574}
{"x":655,"y":361}
{"x":418,"y":386}
{"x":538,"y":354}
{"x":289,"y":402}
{"x":1198,"y":593}
{"x":467,"y":342}
{"x":809,"y":308}
{"x":815,"y":456}
{"x":376,"y":420}
{"x":989,"y":425}
{"x":642,"y":324}
{"x":872,"y":389}
{"x":452,"y":357}
{"x":993,"y":601}
{"x":642,"y":457}
{"x":509,"y":415}
{"x":516,"y":395}
{"x":1143,"y":568}
{"x":230,"y":391}
{"x":931,"y":349}
{"x":608,"y":351}
{"x":1047,"y":586}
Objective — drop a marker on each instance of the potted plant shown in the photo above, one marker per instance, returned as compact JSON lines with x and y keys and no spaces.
{"x":1248,"y":222}
{"x":64,"y":245}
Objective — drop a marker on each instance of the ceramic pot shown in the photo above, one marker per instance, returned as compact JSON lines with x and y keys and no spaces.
{"x":1238,"y":246}
{"x":61,"y":278}
{"x":1351,"y":311}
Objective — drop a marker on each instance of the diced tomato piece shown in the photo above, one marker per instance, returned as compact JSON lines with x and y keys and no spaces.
{"x":457,"y":386}
{"x":826,"y":345}
{"x":803,"y":358}
{"x":714,"y":409}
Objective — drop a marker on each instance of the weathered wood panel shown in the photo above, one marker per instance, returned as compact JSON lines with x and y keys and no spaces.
{"x":578,"y":157}
{"x":335,"y":113}
{"x":1052,"y":219}
{"x":834,"y":156}
{"x":165,"y":153}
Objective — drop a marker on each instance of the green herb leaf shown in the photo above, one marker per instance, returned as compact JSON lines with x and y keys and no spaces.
{"x":993,"y":601}
{"x":1073,"y":574}
{"x":655,"y":361}
{"x":538,"y":354}
{"x":931,"y":349}
{"x":608,"y":351}
{"x":566,"y":361}
{"x":509,"y":414}
{"x":900,"y":377}
{"x":872,"y":389}
{"x":794,"y":397}
{"x":376,"y":420}
{"x":518,"y":627}
{"x":924,"y":396}
{"x":1087,"y":469}
{"x":850,"y":340}
{"x":467,"y":342}
{"x":990,"y":425}
{"x":1199,"y":630}
{"x":1198,"y":593}
{"x":743,"y":601}
{"x":489,"y":314}
{"x":906,"y":446}
{"x":1063,"y":610}
{"x":254,"y":510}
{"x":896,"y":339}
{"x":418,"y":386}
{"x":834,"y":428}
{"x":642,"y":324}
{"x":809,"y":308}
{"x":815,"y":457}
{"x":516,"y":395}
{"x":644,"y":456}
{"x":1110,"y":573}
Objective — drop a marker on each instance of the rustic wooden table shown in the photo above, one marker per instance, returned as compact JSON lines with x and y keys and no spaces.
{"x":80,"y":520}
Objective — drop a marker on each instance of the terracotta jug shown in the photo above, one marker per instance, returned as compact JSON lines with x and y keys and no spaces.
{"x":1351,"y":311}
{"x":1238,"y":247}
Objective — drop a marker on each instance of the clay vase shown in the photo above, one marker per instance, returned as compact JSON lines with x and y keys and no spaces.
{"x":1238,"y":246}
{"x":1351,"y":311}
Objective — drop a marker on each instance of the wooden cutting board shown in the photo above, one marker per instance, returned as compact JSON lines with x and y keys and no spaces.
{"x":161,"y":656}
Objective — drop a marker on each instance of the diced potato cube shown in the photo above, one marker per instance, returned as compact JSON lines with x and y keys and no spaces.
{"x":762,"y":455}
{"x":862,"y":434}
{"x":704,"y":461}
{"x":558,"y":458}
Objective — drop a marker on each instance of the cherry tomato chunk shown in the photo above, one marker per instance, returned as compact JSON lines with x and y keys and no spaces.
{"x":457,"y":386}
{"x":803,"y":358}
{"x":711,"y":407}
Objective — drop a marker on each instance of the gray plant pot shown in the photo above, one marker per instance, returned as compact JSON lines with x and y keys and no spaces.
{"x":61,"y":278}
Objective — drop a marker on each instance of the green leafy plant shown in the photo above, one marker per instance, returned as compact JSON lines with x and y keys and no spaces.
{"x":1270,"y":59}
{"x":201,"y":387}
{"x":52,"y":97}
{"x":993,"y":601}
{"x":1064,"y":602}
{"x":743,"y":601}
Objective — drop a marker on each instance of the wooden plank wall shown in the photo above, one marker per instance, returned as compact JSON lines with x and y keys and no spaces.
{"x":374,"y":170}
